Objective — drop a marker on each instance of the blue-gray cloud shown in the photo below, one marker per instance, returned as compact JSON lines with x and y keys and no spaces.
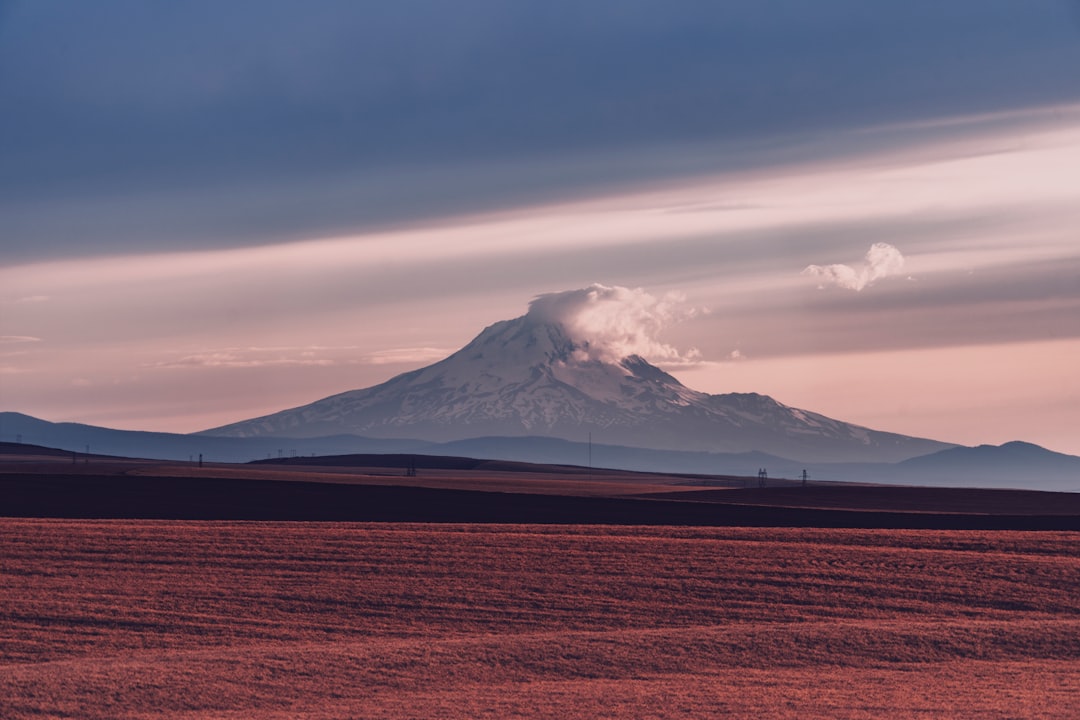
{"x":209,"y":123}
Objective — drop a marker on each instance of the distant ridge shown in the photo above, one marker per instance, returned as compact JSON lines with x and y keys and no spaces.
{"x":1013,"y":465}
{"x":16,"y":448}
{"x":1034,"y":465}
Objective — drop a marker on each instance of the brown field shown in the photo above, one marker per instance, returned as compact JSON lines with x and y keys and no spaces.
{"x":193,"y":619}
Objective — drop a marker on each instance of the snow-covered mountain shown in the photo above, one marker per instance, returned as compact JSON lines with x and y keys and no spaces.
{"x":526,"y":377}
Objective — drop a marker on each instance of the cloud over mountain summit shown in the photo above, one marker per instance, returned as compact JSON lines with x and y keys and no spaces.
{"x":611,"y":323}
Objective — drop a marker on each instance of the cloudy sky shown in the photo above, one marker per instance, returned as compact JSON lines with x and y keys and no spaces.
{"x":215,"y":210}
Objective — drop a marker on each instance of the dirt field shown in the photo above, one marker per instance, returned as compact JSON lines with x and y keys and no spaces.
{"x":168,"y":619}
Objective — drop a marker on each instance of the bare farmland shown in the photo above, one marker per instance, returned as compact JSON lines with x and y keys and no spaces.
{"x":133,"y":619}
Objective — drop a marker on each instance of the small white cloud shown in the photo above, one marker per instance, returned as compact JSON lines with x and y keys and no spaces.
{"x":231,"y":358}
{"x":300,"y":356}
{"x":882,"y":260}
{"x":405,"y":355}
{"x":13,"y":339}
{"x":302,"y":349}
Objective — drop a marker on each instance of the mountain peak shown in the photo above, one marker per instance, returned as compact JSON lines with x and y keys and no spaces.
{"x":531,"y":376}
{"x":522,"y":339}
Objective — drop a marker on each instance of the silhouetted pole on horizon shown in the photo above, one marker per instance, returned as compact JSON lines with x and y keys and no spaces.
{"x":805,"y":477}
{"x":200,"y":459}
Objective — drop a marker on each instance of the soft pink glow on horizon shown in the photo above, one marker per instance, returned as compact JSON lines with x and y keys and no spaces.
{"x":969,"y":395}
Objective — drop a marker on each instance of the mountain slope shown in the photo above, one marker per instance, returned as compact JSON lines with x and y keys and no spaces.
{"x":526,"y":377}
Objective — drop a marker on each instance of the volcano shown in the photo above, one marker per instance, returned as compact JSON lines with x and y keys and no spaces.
{"x":528,"y":377}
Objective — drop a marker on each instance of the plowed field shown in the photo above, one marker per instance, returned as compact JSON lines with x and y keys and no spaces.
{"x":170,"y":619}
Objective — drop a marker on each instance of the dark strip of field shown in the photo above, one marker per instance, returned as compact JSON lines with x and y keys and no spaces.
{"x":898,"y":498}
{"x":209,"y":498}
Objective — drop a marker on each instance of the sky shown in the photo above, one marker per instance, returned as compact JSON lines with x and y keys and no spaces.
{"x":211,"y":211}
